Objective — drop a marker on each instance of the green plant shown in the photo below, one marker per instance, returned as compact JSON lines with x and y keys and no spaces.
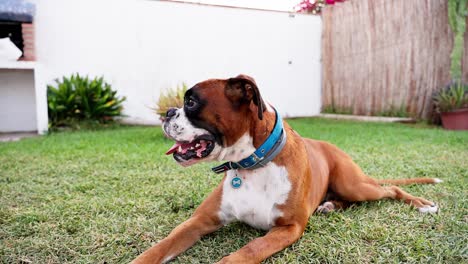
{"x":394,"y":111}
{"x":332,"y":109}
{"x":80,"y":99}
{"x":457,"y":12}
{"x":454,"y":96}
{"x":171,"y":98}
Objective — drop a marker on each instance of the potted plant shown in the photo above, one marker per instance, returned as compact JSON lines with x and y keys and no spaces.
{"x":452,"y":104}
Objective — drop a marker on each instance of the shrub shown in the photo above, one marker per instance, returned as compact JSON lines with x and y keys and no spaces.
{"x":454,"y":96}
{"x":172,"y":98}
{"x":77,"y":99}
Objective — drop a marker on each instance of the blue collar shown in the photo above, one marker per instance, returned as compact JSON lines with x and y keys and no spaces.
{"x":264,"y":154}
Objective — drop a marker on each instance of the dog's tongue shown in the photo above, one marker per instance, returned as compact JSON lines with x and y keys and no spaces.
{"x":200,"y":150}
{"x":184,"y":147}
{"x":173,"y":148}
{"x":181,"y":147}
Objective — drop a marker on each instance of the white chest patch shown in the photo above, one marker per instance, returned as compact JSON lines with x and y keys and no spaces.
{"x":255,"y":201}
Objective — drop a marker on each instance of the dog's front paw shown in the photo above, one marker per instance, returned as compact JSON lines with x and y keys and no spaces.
{"x":233,"y":259}
{"x":429,"y":208}
{"x":224,"y":260}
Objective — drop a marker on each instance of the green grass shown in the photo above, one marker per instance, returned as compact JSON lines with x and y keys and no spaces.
{"x":105,"y":196}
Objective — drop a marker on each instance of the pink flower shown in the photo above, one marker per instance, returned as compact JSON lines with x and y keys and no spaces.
{"x":304,"y":6}
{"x":314,"y":6}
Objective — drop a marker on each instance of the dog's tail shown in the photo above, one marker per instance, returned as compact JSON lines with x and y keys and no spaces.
{"x":410,"y":181}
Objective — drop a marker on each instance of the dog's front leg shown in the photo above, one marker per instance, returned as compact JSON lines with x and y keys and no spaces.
{"x":203,"y":221}
{"x":261,"y":248}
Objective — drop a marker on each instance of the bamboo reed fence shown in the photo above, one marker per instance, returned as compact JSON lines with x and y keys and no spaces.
{"x":384,"y":57}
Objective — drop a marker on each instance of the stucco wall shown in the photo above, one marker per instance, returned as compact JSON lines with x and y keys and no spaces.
{"x":17,"y":101}
{"x":143,"y":47}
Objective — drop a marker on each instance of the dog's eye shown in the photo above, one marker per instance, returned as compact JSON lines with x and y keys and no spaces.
{"x":190,"y":103}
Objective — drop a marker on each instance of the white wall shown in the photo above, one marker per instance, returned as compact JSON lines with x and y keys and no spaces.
{"x":143,"y":47}
{"x":17,"y":101}
{"x":278,"y":5}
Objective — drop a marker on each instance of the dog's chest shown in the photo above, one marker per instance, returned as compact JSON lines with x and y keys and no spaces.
{"x":252,"y":196}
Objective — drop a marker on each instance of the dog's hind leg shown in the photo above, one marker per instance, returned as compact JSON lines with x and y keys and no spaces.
{"x":332,"y":205}
{"x":370,"y":192}
{"x":332,"y":202}
{"x":351,"y":184}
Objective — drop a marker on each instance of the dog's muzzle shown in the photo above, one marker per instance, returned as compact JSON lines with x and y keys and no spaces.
{"x":198,"y":144}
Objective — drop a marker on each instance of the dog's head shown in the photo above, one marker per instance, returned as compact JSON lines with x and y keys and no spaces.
{"x":216,"y":115}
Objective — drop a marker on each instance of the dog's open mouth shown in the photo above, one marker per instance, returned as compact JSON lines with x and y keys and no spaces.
{"x":197,"y":149}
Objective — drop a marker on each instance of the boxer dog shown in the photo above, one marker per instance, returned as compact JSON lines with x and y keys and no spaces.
{"x":273,"y":178}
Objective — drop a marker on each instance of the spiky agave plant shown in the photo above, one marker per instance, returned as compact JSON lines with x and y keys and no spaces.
{"x":454,"y":96}
{"x":170,"y":98}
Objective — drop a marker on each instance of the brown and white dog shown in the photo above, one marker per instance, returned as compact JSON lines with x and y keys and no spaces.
{"x":226,"y":120}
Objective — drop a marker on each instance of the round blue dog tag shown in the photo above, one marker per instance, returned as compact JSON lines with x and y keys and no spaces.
{"x":236,"y":182}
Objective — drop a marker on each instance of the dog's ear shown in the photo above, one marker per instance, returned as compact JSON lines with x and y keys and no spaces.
{"x":243,"y":89}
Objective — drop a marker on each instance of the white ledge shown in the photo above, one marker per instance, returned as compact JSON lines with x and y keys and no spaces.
{"x":21,"y":65}
{"x":369,"y":118}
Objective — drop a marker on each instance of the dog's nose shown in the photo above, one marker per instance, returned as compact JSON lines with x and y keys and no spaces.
{"x":171,"y":112}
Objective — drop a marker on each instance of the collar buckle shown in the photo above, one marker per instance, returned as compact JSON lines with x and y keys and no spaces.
{"x":256,"y":158}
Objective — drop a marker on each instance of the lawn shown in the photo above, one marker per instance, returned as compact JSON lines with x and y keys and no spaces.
{"x":104,"y":196}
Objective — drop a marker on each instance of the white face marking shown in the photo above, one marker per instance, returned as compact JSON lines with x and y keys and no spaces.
{"x":179,"y":128}
{"x":255,"y":201}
